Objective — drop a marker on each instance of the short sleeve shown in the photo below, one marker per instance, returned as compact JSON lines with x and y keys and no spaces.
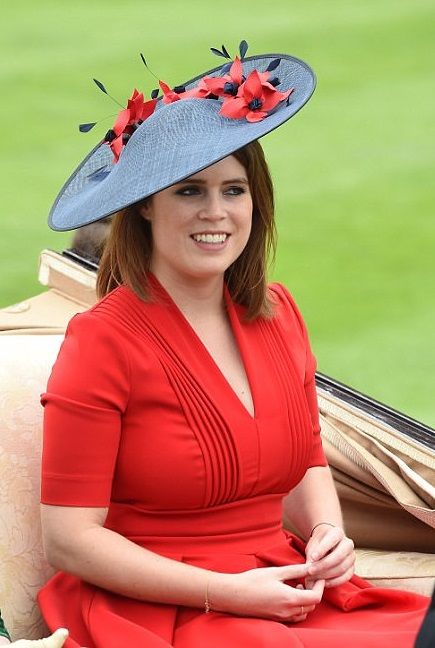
{"x":318,"y":457}
{"x":86,"y":396}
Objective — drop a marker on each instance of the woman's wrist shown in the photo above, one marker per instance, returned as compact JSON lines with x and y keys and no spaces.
{"x":320,"y":524}
{"x":225,"y":593}
{"x":218,"y":593}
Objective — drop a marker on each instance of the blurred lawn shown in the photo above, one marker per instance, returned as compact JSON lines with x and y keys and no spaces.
{"x":354,"y":171}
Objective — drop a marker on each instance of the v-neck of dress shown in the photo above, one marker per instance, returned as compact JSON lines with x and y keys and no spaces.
{"x":236,"y":329}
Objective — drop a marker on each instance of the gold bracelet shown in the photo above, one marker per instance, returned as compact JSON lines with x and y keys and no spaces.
{"x":207,"y":606}
{"x":318,"y":524}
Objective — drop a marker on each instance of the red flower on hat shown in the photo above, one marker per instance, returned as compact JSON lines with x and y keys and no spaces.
{"x":171,"y":95}
{"x":128,"y":120}
{"x":200,"y":91}
{"x":255,"y":98}
{"x":227,"y":84}
{"x":179,"y":92}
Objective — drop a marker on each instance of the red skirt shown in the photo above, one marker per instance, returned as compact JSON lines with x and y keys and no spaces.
{"x":231,"y":538}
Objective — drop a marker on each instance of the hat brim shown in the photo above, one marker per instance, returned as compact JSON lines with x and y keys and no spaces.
{"x":178,"y":140}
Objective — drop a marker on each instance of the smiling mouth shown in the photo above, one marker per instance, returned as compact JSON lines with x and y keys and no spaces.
{"x":210,"y":238}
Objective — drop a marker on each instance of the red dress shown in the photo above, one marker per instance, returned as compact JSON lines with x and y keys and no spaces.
{"x":139,"y":418}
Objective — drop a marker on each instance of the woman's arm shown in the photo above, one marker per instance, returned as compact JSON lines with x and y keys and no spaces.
{"x":76,"y":541}
{"x":313,"y":500}
{"x":313,"y":507}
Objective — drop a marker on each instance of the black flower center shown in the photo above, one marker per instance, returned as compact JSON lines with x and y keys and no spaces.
{"x":231,"y":88}
{"x":255,"y":104}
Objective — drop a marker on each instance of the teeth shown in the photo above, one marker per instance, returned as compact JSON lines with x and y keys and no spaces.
{"x":210,"y":238}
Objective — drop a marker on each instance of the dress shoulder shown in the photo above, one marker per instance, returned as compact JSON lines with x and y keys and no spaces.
{"x":290,"y":318}
{"x":93,"y":366}
{"x":287,"y":306}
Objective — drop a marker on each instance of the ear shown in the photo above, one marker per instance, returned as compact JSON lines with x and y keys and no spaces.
{"x":145,"y":210}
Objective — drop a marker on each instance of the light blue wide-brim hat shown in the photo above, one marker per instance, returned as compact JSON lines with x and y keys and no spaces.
{"x":176,"y":141}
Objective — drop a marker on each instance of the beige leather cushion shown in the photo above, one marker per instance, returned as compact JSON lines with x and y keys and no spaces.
{"x":26,"y":362}
{"x":407,"y":570}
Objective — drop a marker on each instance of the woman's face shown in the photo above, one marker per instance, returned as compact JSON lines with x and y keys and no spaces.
{"x":202,"y":224}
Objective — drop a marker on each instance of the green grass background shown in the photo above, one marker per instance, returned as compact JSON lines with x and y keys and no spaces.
{"x":354,"y":171}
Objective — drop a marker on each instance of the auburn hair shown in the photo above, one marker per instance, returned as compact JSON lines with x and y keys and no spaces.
{"x":127,"y":253}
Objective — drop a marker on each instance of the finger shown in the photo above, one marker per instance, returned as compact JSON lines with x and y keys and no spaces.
{"x":56,"y":640}
{"x":307,"y":609}
{"x":337,"y":570}
{"x":309,"y":582}
{"x":316,"y":584}
{"x":340,"y":580}
{"x":332,"y":562}
{"x":342,"y":553}
{"x":320,"y":544}
{"x":327,"y":538}
{"x":303,"y":597}
{"x":298,"y":618}
{"x":291,"y":572}
{"x":318,"y":588}
{"x":326,"y":543}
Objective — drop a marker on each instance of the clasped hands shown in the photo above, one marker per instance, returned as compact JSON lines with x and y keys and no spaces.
{"x":263,"y":592}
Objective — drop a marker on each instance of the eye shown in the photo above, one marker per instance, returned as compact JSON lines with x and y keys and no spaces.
{"x":235,"y":191}
{"x":188,"y":190}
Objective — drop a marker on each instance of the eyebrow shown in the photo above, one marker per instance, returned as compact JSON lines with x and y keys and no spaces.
{"x":203,"y":182}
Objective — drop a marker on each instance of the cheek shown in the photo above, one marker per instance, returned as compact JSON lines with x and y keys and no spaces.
{"x":168,"y":235}
{"x":162,"y":238}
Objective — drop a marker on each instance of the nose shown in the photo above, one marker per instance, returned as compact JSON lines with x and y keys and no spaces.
{"x":213,"y":207}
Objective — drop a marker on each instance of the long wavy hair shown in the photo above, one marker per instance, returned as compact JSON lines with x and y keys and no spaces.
{"x":127,"y":254}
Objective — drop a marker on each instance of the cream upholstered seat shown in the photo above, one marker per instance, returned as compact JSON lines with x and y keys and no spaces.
{"x":407,"y":570}
{"x":25,"y":365}
{"x":30,"y":337}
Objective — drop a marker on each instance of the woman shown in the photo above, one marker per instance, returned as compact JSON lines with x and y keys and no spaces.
{"x":182,"y":407}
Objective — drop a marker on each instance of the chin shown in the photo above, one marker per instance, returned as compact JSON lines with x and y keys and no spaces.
{"x":208,"y":267}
